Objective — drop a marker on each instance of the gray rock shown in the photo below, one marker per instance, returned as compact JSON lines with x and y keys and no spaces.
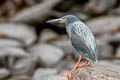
{"x":115,"y":11}
{"x":46,"y":71}
{"x":104,"y":24}
{"x":66,"y":65}
{"x":10,"y":43}
{"x":24,"y":66}
{"x":115,"y":37}
{"x":4,"y":73}
{"x":47,"y":74}
{"x":36,"y":13}
{"x":43,"y":73}
{"x":100,"y":6}
{"x":17,"y":60}
{"x":47,"y":54}
{"x":117,"y":62}
{"x":65,"y":45}
{"x":47,"y":35}
{"x":82,"y":16}
{"x":97,"y":72}
{"x":53,"y":77}
{"x":109,"y":63}
{"x":118,"y":52}
{"x":104,"y":48}
{"x":103,"y":39}
{"x":21,"y":77}
{"x":105,"y":51}
{"x":108,"y":38}
{"x":20,"y":32}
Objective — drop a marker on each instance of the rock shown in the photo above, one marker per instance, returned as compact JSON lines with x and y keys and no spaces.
{"x":108,"y":38}
{"x":115,"y":11}
{"x":104,"y":24}
{"x":105,"y":51}
{"x":47,"y":35}
{"x":96,"y":72}
{"x":104,"y":48}
{"x":103,"y":39}
{"x":64,"y":6}
{"x":66,"y":65}
{"x":24,"y":77}
{"x":35,"y":13}
{"x":4,"y":73}
{"x":115,"y":37}
{"x":54,"y":77}
{"x":24,"y":66}
{"x":117,"y":62}
{"x":109,"y":63}
{"x":98,"y":7}
{"x":17,"y":60}
{"x":22,"y":32}
{"x":65,"y":45}
{"x":82,"y":16}
{"x":10,"y":43}
{"x":118,"y":52}
{"x":48,"y":55}
{"x":31,"y":2}
{"x":43,"y":73}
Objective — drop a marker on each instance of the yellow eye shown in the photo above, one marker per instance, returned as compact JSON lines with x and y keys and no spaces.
{"x":65,"y":19}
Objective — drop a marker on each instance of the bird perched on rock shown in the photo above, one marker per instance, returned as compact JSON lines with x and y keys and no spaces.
{"x":82,"y":40}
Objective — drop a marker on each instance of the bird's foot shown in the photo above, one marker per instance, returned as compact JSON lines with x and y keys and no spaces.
{"x":86,"y":64}
{"x":68,"y":75}
{"x":81,"y":66}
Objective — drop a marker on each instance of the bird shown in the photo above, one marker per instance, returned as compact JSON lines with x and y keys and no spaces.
{"x":82,"y":39}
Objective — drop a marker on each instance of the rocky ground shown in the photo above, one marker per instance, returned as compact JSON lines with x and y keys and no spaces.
{"x":31,"y":49}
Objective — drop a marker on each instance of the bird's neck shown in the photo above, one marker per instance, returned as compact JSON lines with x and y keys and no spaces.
{"x":69,"y":27}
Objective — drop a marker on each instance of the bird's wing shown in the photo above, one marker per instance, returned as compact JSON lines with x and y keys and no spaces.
{"x":84,"y":42}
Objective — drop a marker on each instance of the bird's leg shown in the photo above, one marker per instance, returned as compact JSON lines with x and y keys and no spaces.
{"x":68,"y":75}
{"x":77,"y":65}
{"x":86,"y":64}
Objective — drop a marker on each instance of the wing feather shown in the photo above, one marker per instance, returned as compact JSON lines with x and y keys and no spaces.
{"x":83,"y":41}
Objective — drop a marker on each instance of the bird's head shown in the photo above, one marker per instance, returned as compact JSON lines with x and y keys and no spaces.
{"x":65,"y":19}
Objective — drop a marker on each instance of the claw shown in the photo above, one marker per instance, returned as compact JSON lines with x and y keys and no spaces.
{"x":86,"y":64}
{"x":68,"y":75}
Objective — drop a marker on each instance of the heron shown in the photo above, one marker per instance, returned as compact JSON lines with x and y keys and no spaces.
{"x":82,"y":39}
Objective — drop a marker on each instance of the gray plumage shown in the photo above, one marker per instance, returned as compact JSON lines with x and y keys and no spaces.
{"x":81,"y":37}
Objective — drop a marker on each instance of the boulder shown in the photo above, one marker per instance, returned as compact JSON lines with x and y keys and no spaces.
{"x":104,"y":24}
{"x":99,"y":7}
{"x":65,"y":45}
{"x":48,"y":55}
{"x":21,"y":77}
{"x":35,"y":13}
{"x":43,"y":73}
{"x":17,"y":60}
{"x":22,"y":32}
{"x":47,"y":35}
{"x":10,"y":43}
{"x":95,"y":73}
{"x":4,"y":73}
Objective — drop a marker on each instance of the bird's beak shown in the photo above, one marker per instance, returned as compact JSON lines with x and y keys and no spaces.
{"x":60,"y":20}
